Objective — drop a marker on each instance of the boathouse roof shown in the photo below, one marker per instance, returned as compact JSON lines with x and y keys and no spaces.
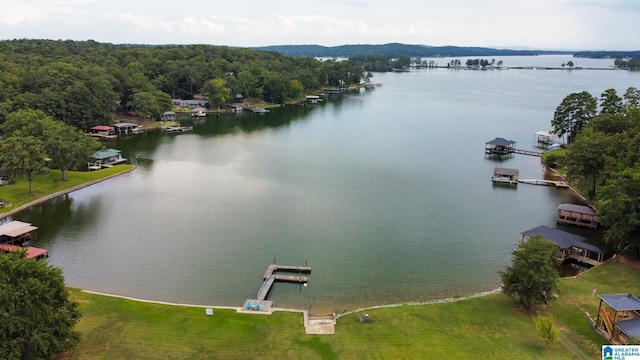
{"x":102,"y":128}
{"x":101,"y":155}
{"x":16,"y":228}
{"x":630,"y":327}
{"x":562,"y":239}
{"x":506,"y":171}
{"x":577,"y":208}
{"x":501,"y":142}
{"x":622,"y":302}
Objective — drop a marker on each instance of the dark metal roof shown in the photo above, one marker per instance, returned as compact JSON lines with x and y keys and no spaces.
{"x":562,"y":239}
{"x":577,"y":208}
{"x":630,"y":327}
{"x":506,"y":171}
{"x":501,"y":142}
{"x":622,"y":302}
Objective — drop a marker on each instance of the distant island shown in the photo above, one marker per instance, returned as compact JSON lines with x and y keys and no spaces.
{"x":395,"y":50}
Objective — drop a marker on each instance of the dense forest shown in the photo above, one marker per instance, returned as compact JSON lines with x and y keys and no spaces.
{"x":83,"y":82}
{"x":395,"y":50}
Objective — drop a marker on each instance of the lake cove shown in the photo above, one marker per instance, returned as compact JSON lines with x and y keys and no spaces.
{"x":385,"y":194}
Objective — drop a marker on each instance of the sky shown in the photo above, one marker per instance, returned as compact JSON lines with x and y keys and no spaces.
{"x":514,"y":24}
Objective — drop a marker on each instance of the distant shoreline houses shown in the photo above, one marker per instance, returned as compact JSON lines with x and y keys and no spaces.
{"x":194,"y":103}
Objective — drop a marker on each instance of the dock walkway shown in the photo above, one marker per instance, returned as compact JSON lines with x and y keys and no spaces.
{"x":528,"y":152}
{"x":555,"y":183}
{"x":294,"y":274}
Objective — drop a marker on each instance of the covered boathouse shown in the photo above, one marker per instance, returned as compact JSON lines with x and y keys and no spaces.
{"x":500,"y":146}
{"x":578,"y":215}
{"x":17,"y":235}
{"x":505,"y":175}
{"x":619,"y":318}
{"x":570,"y":246}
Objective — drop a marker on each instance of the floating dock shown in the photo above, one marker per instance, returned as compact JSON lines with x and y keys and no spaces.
{"x":297,"y":274}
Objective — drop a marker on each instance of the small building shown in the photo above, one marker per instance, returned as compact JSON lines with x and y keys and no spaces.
{"x":191,"y":103}
{"x":313,"y":99}
{"x":545,"y":138}
{"x":17,"y":233}
{"x":619,"y":319}
{"x":106,"y":158}
{"x":570,"y":246}
{"x":103,"y":132}
{"x":578,"y":215}
{"x":500,"y":146}
{"x":127,"y":128}
{"x":199,"y":112}
{"x":168,"y":116}
{"x":505,"y":175}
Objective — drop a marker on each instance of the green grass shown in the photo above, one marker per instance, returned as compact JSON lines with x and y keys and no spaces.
{"x":18,"y":194}
{"x":491,"y":327}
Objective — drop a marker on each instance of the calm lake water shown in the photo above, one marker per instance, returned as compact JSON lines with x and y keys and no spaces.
{"x":386,"y":194}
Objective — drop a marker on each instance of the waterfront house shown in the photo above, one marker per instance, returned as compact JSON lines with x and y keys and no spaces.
{"x":578,"y":215}
{"x":190,"y":103}
{"x":570,"y":246}
{"x":619,"y":318}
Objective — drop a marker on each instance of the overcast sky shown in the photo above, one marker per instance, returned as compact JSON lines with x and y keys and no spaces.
{"x":540,"y":24}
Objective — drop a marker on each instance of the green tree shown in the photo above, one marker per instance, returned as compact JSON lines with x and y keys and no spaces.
{"x":632,"y":97}
{"x":546,"y":329}
{"x":217,"y":91}
{"x":23,"y":155}
{"x":37,"y":316}
{"x":586,"y":158}
{"x":619,"y":211}
{"x":532,"y":278}
{"x":144,"y":104}
{"x":610,"y":102}
{"x":68,"y":147}
{"x":574,"y":113}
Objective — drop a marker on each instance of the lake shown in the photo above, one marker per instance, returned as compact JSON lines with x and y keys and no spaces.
{"x":386,"y":194}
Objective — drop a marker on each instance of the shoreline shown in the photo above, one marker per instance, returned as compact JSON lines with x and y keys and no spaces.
{"x":337,"y":315}
{"x":60,"y":193}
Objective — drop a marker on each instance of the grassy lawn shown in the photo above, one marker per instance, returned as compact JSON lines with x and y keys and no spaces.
{"x":491,"y":327}
{"x":43,"y":185}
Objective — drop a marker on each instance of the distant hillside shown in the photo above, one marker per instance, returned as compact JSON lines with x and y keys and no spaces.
{"x":607,"y":54}
{"x":395,"y":50}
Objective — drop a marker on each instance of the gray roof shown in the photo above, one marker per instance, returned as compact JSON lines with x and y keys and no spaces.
{"x":622,"y":302}
{"x":506,"y":171}
{"x":630,"y":327}
{"x":501,"y":142}
{"x":562,"y":239}
{"x":577,"y":208}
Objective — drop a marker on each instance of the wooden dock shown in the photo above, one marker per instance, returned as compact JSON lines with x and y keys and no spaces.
{"x":528,"y":152}
{"x":297,"y":274}
{"x":560,"y":184}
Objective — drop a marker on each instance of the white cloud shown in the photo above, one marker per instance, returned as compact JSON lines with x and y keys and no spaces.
{"x":574,"y":24}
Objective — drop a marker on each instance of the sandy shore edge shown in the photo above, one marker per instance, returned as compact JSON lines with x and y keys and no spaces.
{"x":60,"y":193}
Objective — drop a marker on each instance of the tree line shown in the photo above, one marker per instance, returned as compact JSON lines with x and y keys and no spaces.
{"x":83,"y":82}
{"x":602,"y":159}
